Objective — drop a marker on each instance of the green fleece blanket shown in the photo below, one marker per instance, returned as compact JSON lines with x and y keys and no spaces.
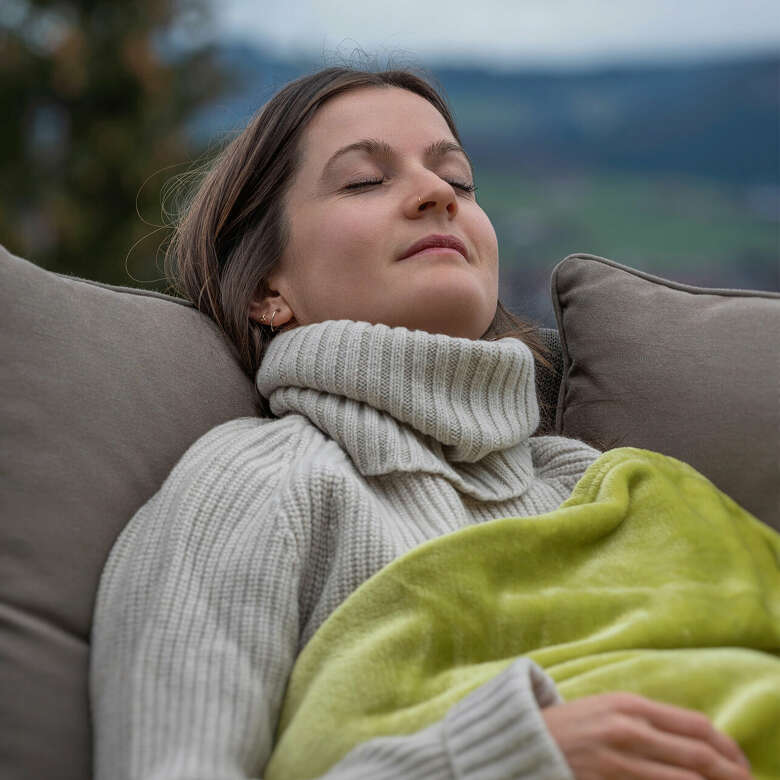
{"x":647,"y":579}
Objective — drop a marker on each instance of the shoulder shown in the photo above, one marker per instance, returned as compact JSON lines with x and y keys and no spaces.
{"x":561,"y":460}
{"x":243,"y":457}
{"x":260,"y":449}
{"x":235,"y":481}
{"x":252,"y":470}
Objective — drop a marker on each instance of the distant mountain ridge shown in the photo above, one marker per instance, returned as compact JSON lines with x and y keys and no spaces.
{"x":716,"y":119}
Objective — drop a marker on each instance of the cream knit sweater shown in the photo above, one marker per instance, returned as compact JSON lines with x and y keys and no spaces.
{"x":382,"y":439}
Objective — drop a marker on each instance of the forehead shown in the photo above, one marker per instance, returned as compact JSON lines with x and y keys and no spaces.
{"x":402,"y":118}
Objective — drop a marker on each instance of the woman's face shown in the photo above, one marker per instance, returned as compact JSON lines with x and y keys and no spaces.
{"x":343,"y":257}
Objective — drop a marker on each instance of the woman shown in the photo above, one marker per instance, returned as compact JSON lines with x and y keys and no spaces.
{"x":339,"y":243}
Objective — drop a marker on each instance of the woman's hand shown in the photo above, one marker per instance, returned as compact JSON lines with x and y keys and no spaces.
{"x":623,"y":735}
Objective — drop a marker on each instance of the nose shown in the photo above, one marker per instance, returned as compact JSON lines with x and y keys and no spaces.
{"x":433,"y":194}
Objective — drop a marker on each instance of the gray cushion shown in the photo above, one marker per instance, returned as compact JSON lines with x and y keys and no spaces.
{"x":687,"y":371}
{"x":103,"y":388}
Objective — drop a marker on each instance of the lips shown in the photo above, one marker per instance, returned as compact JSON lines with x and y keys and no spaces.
{"x":449,"y":241}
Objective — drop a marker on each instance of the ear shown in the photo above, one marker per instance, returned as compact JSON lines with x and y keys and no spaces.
{"x":267,"y":304}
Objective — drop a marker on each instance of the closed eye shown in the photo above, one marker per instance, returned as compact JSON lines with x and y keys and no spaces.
{"x":368,"y":183}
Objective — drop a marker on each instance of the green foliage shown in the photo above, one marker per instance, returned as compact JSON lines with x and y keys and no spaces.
{"x":94,"y":114}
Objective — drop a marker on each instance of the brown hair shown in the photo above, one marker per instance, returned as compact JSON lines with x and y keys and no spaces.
{"x":233,"y":231}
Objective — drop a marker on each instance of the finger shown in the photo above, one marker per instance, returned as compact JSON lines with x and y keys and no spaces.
{"x":686,"y":723}
{"x":696,"y":755}
{"x":638,"y":768}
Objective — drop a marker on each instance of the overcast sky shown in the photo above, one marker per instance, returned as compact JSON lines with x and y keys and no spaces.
{"x":522,"y":32}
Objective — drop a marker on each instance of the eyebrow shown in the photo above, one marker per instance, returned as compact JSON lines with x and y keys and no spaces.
{"x":379,"y":148}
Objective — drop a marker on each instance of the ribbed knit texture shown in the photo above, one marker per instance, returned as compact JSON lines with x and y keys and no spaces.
{"x":383,"y":438}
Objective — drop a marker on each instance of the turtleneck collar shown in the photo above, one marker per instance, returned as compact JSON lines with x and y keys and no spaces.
{"x":408,"y":400}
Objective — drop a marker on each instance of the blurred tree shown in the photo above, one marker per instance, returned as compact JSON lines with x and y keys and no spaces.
{"x":94,"y":96}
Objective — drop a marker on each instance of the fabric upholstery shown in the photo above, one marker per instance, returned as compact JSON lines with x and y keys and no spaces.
{"x":686,"y":371}
{"x":102,"y":389}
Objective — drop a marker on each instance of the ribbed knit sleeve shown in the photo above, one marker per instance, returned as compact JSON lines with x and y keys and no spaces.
{"x":196,"y":623}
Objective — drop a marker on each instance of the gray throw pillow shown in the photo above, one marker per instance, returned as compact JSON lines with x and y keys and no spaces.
{"x":102,"y":389}
{"x":687,"y":371}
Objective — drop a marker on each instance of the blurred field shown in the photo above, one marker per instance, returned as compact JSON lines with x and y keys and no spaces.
{"x":692,"y":230}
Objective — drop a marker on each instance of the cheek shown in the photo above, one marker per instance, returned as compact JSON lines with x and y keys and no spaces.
{"x":487,"y":234}
{"x":363,"y":228}
{"x":338,"y":261}
{"x":487,"y":239}
{"x":348,"y":237}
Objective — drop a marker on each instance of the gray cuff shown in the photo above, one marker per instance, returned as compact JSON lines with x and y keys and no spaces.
{"x":497,"y":731}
